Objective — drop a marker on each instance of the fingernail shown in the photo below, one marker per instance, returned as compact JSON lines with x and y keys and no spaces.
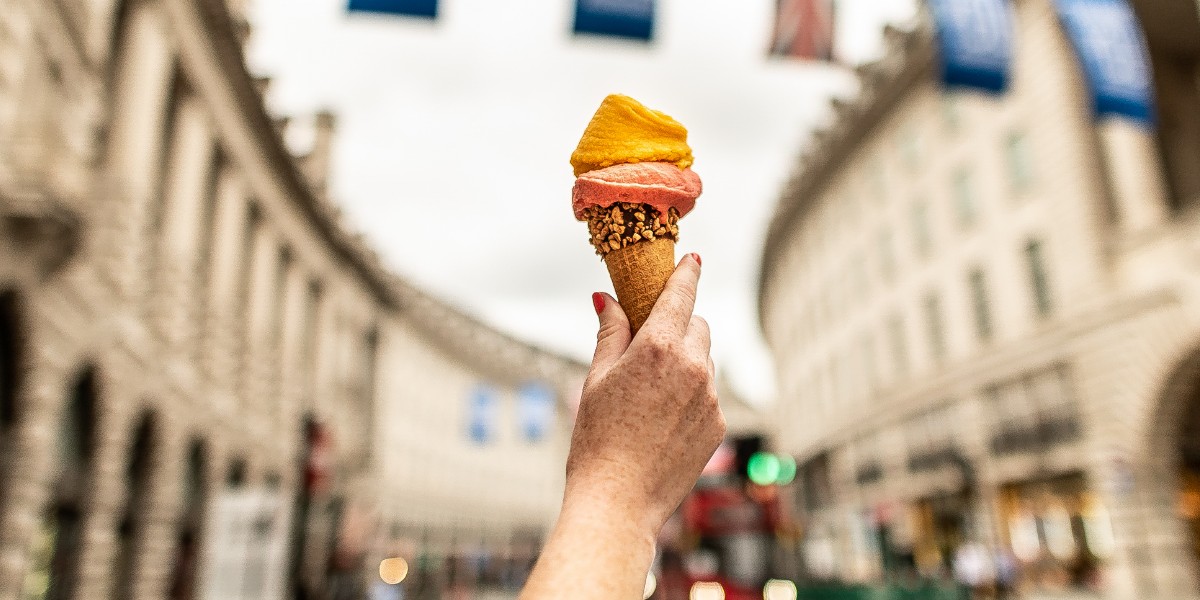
{"x":697,"y":257}
{"x":598,"y":302}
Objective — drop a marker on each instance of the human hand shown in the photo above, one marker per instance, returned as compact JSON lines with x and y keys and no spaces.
{"x":648,"y":419}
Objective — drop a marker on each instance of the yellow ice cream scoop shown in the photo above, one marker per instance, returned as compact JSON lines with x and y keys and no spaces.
{"x":623,"y":131}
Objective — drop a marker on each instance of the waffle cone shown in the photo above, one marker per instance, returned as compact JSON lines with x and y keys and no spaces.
{"x":639,"y":273}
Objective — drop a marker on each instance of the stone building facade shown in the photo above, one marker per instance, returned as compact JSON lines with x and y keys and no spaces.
{"x":184,"y":318}
{"x":984,"y":315}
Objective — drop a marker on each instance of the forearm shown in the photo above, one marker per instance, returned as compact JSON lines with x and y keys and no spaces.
{"x":596,"y":551}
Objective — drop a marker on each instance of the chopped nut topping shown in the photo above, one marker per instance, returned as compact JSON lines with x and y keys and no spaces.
{"x":624,"y":223}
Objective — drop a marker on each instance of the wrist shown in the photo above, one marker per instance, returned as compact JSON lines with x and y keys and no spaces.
{"x":613,"y":511}
{"x":614,"y":493}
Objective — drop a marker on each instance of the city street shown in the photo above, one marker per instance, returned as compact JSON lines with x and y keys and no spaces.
{"x":452,"y":299}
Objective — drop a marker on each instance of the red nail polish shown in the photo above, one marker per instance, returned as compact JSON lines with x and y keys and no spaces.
{"x":697,"y":257}
{"x":598,"y":302}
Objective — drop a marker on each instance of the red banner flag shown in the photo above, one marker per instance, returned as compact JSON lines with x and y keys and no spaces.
{"x":803,"y":29}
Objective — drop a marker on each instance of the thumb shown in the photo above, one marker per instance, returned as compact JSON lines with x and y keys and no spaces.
{"x":614,"y":335}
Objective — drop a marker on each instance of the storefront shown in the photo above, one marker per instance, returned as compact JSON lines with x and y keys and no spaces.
{"x":941,"y":525}
{"x":1059,"y":533}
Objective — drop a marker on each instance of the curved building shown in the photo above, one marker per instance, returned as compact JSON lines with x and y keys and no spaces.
{"x":208,"y":387}
{"x":985,"y":321}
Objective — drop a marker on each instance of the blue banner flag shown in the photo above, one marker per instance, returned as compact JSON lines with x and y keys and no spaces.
{"x":408,"y":8}
{"x":633,"y":19}
{"x":976,"y":42}
{"x":1108,"y":39}
{"x":536,"y":410}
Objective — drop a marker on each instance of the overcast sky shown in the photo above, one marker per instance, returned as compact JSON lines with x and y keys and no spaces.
{"x":454,"y":138}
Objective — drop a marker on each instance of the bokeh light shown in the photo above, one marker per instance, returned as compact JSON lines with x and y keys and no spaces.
{"x":780,"y":589}
{"x":393,"y":570}
{"x":763,"y":468}
{"x":707,"y":590}
{"x":787,"y":470}
{"x":651,"y":585}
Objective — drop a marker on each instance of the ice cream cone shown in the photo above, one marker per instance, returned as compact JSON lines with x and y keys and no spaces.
{"x":638,"y":245}
{"x":633,"y":182}
{"x":639,"y":272}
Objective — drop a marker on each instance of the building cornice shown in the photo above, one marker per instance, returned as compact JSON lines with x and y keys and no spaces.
{"x":454,"y":330}
{"x":909,"y":60}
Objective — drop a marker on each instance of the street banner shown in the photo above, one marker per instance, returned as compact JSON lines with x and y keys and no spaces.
{"x":631,"y":19}
{"x":246,"y":546}
{"x":803,"y":29}
{"x":405,"y":8}
{"x":482,"y":414}
{"x":535,"y":409}
{"x":1108,"y":39}
{"x":975,"y":39}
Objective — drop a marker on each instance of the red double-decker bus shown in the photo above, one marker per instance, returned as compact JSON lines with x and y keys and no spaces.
{"x":721,"y":542}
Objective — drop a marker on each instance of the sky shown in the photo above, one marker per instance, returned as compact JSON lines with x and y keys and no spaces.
{"x":454,"y":137}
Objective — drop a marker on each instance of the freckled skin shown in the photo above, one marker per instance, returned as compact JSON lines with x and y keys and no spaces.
{"x":648,"y":423}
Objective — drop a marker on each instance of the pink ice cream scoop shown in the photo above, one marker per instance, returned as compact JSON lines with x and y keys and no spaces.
{"x":659,"y":184}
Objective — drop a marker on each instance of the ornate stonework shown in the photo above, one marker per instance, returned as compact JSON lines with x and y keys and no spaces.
{"x":188,"y":304}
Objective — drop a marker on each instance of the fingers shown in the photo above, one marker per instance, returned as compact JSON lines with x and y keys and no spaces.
{"x":697,"y":342}
{"x":613,"y":336}
{"x":673,"y":311}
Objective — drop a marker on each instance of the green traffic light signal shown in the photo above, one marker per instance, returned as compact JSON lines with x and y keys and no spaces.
{"x":763,"y":468}
{"x":787,"y":470}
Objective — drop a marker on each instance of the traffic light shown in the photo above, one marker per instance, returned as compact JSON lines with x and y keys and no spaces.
{"x":743,"y":449}
{"x":760,"y":467}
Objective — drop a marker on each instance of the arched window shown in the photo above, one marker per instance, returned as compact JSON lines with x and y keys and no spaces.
{"x":56,"y":543}
{"x":235,"y":478}
{"x":195,"y":501}
{"x":130,"y":526}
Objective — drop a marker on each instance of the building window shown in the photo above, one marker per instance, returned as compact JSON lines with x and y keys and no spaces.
{"x":1034,"y":412}
{"x":56,"y":544}
{"x":131,"y":525}
{"x":899,"y":345}
{"x":536,"y":411}
{"x":935,"y":326}
{"x":1020,"y":162}
{"x":183,"y":576}
{"x":922,"y":234}
{"x":312,"y":330}
{"x":1038,"y":278}
{"x":964,"y":198}
{"x":979,"y":301}
{"x":930,"y":439}
{"x":235,"y":477}
{"x":483,"y":412}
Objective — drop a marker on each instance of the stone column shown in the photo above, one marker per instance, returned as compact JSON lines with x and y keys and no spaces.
{"x":32,"y":468}
{"x":140,"y":95}
{"x":185,"y":191}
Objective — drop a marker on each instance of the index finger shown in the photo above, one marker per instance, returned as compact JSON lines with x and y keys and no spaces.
{"x":673,"y":310}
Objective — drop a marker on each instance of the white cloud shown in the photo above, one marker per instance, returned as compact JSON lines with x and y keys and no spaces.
{"x":454,"y":138}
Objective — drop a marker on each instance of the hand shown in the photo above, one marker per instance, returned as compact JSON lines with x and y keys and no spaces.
{"x":648,"y":418}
